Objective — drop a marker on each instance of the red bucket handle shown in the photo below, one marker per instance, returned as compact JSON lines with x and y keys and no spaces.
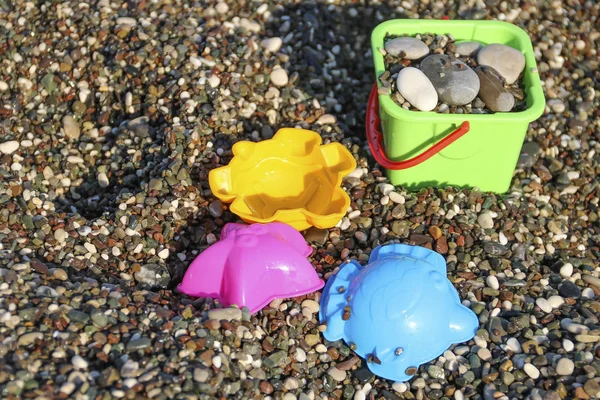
{"x":375,"y":138}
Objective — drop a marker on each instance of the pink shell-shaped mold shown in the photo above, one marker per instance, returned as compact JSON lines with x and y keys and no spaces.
{"x":252,"y":265}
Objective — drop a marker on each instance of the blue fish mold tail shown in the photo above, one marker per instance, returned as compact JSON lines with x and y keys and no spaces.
{"x":334,"y":299}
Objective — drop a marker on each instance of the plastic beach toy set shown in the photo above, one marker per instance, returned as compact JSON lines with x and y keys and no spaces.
{"x":400,"y":310}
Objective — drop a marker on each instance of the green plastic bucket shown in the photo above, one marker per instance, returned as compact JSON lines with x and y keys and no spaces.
{"x":423,"y":149}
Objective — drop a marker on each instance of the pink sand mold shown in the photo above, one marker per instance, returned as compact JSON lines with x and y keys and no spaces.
{"x":252,"y":265}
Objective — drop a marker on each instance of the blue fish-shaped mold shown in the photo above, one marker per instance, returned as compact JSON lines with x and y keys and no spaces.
{"x":398,"y":312}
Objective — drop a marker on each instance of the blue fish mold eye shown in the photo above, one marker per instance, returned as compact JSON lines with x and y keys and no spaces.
{"x":397,"y":312}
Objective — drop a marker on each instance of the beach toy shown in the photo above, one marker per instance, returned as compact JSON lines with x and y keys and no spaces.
{"x":397,"y":312}
{"x":290,"y":178}
{"x":251,"y":265}
{"x":423,"y":149}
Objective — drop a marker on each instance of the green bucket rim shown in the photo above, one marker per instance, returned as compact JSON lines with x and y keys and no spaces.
{"x":534,"y":92}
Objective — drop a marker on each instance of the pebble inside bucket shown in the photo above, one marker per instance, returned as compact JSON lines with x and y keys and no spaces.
{"x":426,"y":148}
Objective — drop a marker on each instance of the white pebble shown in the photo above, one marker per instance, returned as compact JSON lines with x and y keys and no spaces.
{"x":312,"y":305}
{"x":386,"y":188}
{"x":222,"y":7}
{"x":479,"y":341}
{"x":492,"y":282}
{"x":360,"y":395}
{"x":400,"y":387}
{"x":300,"y":355}
{"x":3,"y":86}
{"x":514,"y":345}
{"x":211,"y":238}
{"x":126,"y":21}
{"x":396,"y":197}
{"x":67,"y":388}
{"x":568,"y":345}
{"x":531,"y":370}
{"x":102,"y":180}
{"x":9,"y":147}
{"x":502,"y":238}
{"x":417,"y":89}
{"x":79,"y":363}
{"x":214,"y":81}
{"x":74,"y":160}
{"x":556,"y":301}
{"x":588,"y":293}
{"x":566,"y":270}
{"x":216,"y":360}
{"x":326,"y":119}
{"x":451,"y":365}
{"x":565,"y":367}
{"x":291,"y":383}
{"x":60,"y":235}
{"x":485,"y":220}
{"x":90,"y":248}
{"x":484,"y":354}
{"x":345,"y":223}
{"x":321,"y":348}
{"x":164,"y":254}
{"x":357,"y":173}
{"x":279,"y":76}
{"x":337,"y":375}
{"x":543,"y":305}
{"x":227,"y":314}
{"x":271,"y":45}
{"x":366,"y":389}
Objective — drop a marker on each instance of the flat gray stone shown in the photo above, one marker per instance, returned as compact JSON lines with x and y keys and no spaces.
{"x":492,"y":90}
{"x":413,"y":48}
{"x":508,"y":61}
{"x":468,"y":49}
{"x":455,"y":83}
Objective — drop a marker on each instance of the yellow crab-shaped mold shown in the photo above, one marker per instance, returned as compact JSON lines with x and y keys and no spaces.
{"x":290,"y":178}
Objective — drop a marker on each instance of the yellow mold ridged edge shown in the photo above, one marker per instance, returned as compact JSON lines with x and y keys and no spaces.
{"x":220,"y":178}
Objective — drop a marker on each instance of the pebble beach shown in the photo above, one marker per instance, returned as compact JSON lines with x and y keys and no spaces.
{"x":113,"y":113}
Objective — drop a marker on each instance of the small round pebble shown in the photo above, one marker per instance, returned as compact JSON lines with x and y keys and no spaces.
{"x":279,"y":77}
{"x":568,"y":345}
{"x":271,"y":45}
{"x":566,"y":270}
{"x":400,"y":387}
{"x":492,"y":282}
{"x":555,"y":301}
{"x":531,"y":370}
{"x":565,"y":367}
{"x":485,"y":220}
{"x":337,"y":374}
{"x":79,"y":362}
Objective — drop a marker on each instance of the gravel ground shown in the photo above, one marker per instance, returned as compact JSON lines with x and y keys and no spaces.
{"x":111,"y":116}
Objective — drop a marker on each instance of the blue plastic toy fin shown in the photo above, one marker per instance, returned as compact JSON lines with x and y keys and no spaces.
{"x":334,"y":300}
{"x":416,"y":252}
{"x":463,"y":324}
